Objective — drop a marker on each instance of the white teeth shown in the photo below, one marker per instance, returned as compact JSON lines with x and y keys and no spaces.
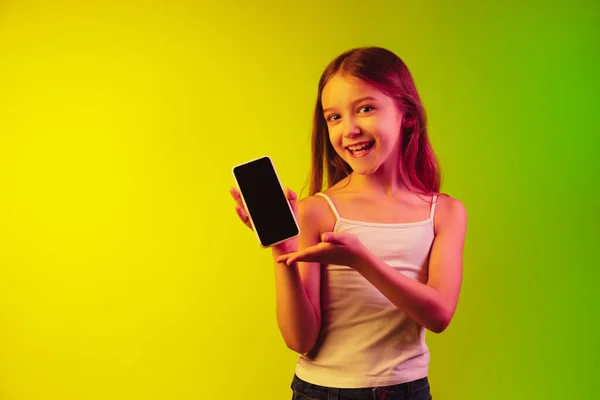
{"x":358,"y":147}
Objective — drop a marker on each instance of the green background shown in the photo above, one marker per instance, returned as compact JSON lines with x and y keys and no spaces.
{"x":124,"y":272}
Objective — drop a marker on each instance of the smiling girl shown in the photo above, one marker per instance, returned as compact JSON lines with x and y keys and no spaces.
{"x":379,"y":259}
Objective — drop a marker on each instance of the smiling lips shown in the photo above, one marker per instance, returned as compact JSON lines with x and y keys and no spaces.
{"x":360,"y":149}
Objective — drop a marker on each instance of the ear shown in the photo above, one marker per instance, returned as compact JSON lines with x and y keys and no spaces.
{"x":409,"y":120}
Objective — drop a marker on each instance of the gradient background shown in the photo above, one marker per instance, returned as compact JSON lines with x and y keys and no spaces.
{"x":124,"y":272}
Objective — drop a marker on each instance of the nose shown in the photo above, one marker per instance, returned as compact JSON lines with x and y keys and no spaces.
{"x":351,"y":129}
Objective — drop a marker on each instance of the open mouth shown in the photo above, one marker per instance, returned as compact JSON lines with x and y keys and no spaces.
{"x":361,"y":149}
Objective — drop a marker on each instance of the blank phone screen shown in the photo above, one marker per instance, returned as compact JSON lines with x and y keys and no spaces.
{"x":266,"y":202}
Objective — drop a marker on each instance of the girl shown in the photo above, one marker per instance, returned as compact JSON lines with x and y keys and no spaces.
{"x":379,"y":257}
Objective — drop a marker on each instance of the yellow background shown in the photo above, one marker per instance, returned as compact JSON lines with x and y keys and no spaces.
{"x":124,"y":273}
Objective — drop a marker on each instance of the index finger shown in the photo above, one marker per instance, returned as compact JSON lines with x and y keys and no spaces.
{"x":236,"y":196}
{"x":309,"y":254}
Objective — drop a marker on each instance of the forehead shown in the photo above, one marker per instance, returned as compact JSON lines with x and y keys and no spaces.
{"x":342,"y":89}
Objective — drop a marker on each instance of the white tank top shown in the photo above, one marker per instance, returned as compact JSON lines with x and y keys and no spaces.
{"x":365,"y":340}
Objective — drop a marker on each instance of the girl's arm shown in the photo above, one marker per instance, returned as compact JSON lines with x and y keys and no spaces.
{"x":297,"y":287}
{"x":433,"y":304}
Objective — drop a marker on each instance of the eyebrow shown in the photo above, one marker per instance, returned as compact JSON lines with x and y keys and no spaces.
{"x":354,"y":102}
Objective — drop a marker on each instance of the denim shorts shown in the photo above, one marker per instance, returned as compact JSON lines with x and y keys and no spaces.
{"x":415,"y":390}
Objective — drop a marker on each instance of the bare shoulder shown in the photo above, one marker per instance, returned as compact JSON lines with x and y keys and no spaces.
{"x":449,"y":213}
{"x":314,"y":213}
{"x":449,"y":204}
{"x":313,"y":206}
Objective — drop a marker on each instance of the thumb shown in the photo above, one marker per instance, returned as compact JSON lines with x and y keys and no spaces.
{"x":292,"y":198}
{"x":290,"y":194}
{"x":333,"y":238}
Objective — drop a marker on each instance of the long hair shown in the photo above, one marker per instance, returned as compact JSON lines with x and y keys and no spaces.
{"x":385,"y":71}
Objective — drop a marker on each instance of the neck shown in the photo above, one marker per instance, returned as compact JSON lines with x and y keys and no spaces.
{"x":385,"y":182}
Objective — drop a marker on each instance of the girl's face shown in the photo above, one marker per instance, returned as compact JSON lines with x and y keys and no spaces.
{"x":364,"y":124}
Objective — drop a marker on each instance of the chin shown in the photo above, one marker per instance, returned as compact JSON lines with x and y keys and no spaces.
{"x":365,"y":171}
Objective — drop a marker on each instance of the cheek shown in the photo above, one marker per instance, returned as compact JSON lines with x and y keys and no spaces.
{"x":335,"y":137}
{"x":389,"y":131}
{"x":380,"y":126}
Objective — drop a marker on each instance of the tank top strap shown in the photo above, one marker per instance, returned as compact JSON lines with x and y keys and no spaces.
{"x":335,"y":211}
{"x":433,"y":203}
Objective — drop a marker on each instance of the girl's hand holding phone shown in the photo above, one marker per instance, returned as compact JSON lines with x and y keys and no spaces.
{"x":288,"y":246}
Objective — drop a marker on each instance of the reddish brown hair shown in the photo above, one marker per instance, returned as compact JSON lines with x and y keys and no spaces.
{"x":386,"y":72}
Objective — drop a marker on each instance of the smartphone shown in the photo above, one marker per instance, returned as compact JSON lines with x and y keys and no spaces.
{"x":270,"y":212}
